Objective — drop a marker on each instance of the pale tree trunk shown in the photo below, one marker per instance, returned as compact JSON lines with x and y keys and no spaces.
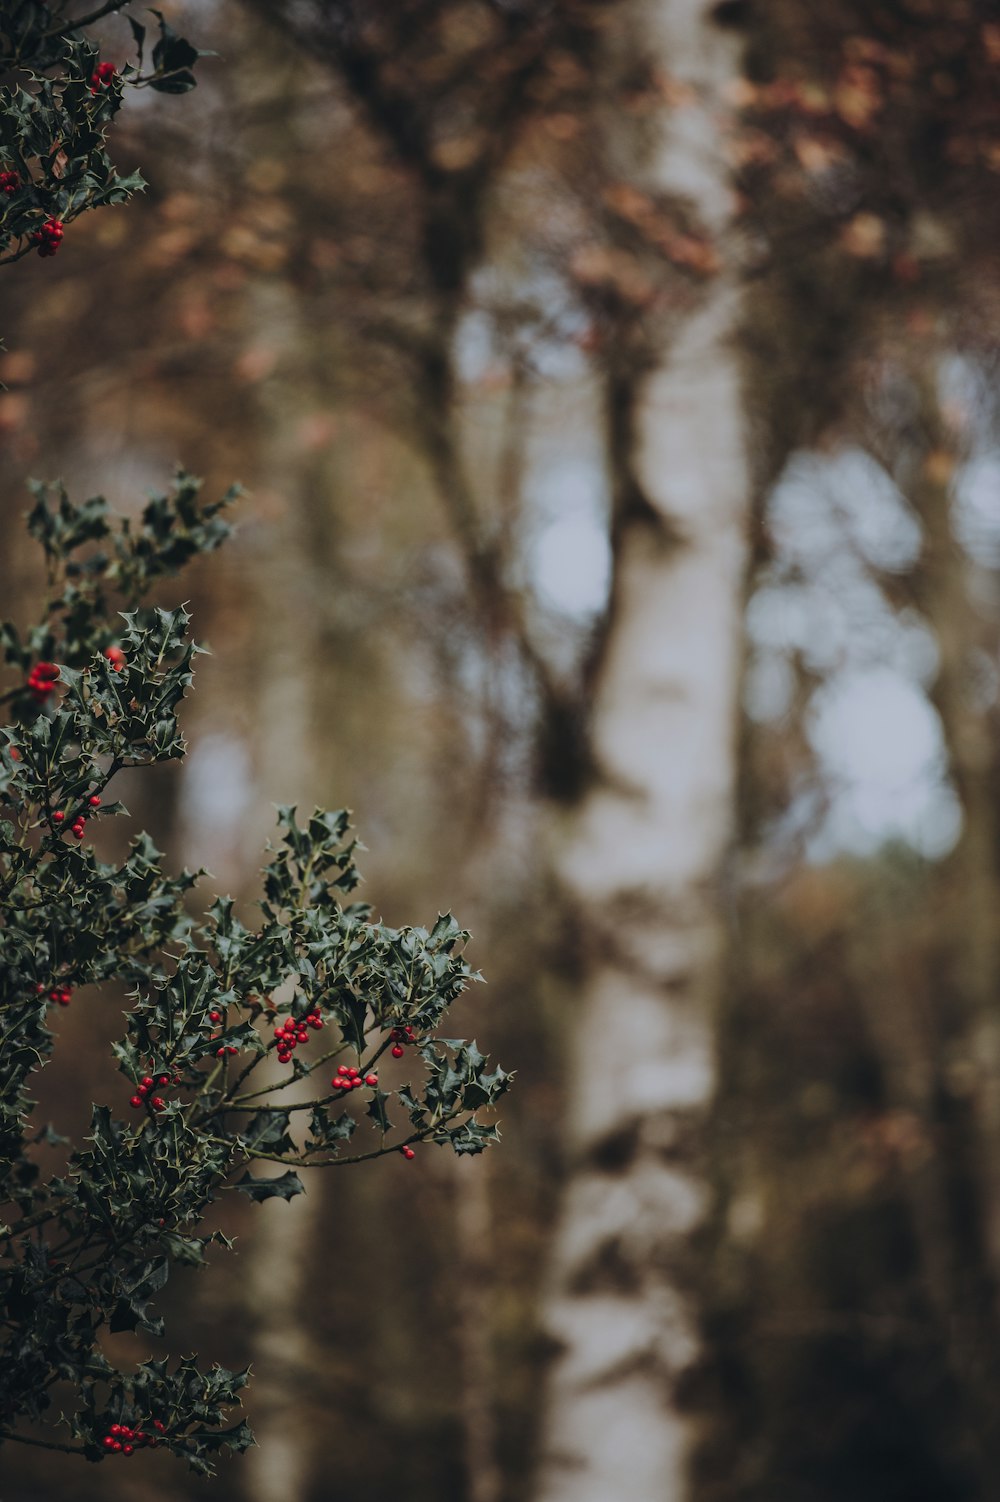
{"x":644,"y":861}
{"x":288,"y":652}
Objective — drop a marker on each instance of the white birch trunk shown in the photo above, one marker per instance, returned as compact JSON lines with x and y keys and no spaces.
{"x":643,"y":862}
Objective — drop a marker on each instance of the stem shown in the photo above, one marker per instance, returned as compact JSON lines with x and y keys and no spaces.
{"x":95,"y":15}
{"x":42,"y":1444}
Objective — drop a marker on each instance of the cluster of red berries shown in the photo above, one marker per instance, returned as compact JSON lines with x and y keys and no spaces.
{"x":116,"y":657}
{"x":400,"y":1036}
{"x":123,"y":1439}
{"x":407,"y":1152}
{"x":145,"y":1087}
{"x":79,"y":824}
{"x":42,"y":680}
{"x":49,"y":237}
{"x":9,"y":182}
{"x":102,"y":76}
{"x":349,"y":1078}
{"x":291,"y":1033}
{"x":61,"y":995}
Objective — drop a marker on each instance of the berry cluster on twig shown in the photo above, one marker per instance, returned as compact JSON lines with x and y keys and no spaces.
{"x":125,"y":1440}
{"x":290,"y":1033}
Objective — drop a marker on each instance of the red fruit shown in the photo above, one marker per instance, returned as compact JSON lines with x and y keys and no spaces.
{"x":116,"y":657}
{"x":158,"y":1425}
{"x":9,"y":182}
{"x":127,"y":1449}
{"x":135,"y":1102}
{"x":94,"y":801}
{"x":356,"y":1084}
{"x":343,"y":1069}
{"x":58,"y":816}
{"x":215,"y":1016}
{"x":352,"y":1071}
{"x":302,"y":1036}
{"x":109,"y":1443}
{"x":163,"y":1079}
{"x":396,"y":1051}
{"x":102,"y":76}
{"x":147,"y":1082}
{"x":77,"y":831}
{"x":339,"y":1083}
{"x":157,"y":1103}
{"x":39,"y":989}
{"x":371,"y":1079}
{"x":47,"y":239}
{"x":115,"y":1429}
{"x":232,"y":1049}
{"x":220,"y":1053}
{"x":117,"y":1445}
{"x":283,"y":1057}
{"x":408,"y":1152}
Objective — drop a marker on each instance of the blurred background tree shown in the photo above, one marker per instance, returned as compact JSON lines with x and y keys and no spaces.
{"x":457,"y":288}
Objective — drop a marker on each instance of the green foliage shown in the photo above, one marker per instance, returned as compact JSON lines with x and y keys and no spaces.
{"x":57,"y":105}
{"x":208,"y":1050}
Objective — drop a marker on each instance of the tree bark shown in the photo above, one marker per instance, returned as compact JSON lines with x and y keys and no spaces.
{"x":644,"y":862}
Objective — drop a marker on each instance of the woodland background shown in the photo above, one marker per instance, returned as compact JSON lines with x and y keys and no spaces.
{"x":412,"y":272}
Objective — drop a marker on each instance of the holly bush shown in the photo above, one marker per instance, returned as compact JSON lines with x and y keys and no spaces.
{"x":56,"y":106}
{"x":222,"y":1016}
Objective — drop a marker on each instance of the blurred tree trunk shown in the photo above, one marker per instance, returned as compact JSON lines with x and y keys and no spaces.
{"x":644,"y":857}
{"x":943,"y":1055}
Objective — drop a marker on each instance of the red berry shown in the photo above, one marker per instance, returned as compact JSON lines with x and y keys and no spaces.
{"x":157,"y":1103}
{"x":356,"y":1084}
{"x":232,"y":1049}
{"x":135,"y":1102}
{"x":127,"y":1449}
{"x":109,"y":1443}
{"x":343,"y":1069}
{"x":94,"y":801}
{"x":215,"y":1016}
{"x":58,"y":816}
{"x":101,"y":76}
{"x":283,"y":1057}
{"x":220,"y":1053}
{"x":115,"y":1429}
{"x":408,"y":1152}
{"x":163,"y":1079}
{"x":157,"y":1425}
{"x":40,"y":989}
{"x":117,"y":1445}
{"x":371,"y":1079}
{"x":396,"y":1051}
{"x":147,"y":1082}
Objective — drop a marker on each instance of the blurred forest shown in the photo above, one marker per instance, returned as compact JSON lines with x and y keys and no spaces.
{"x":615,"y":386}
